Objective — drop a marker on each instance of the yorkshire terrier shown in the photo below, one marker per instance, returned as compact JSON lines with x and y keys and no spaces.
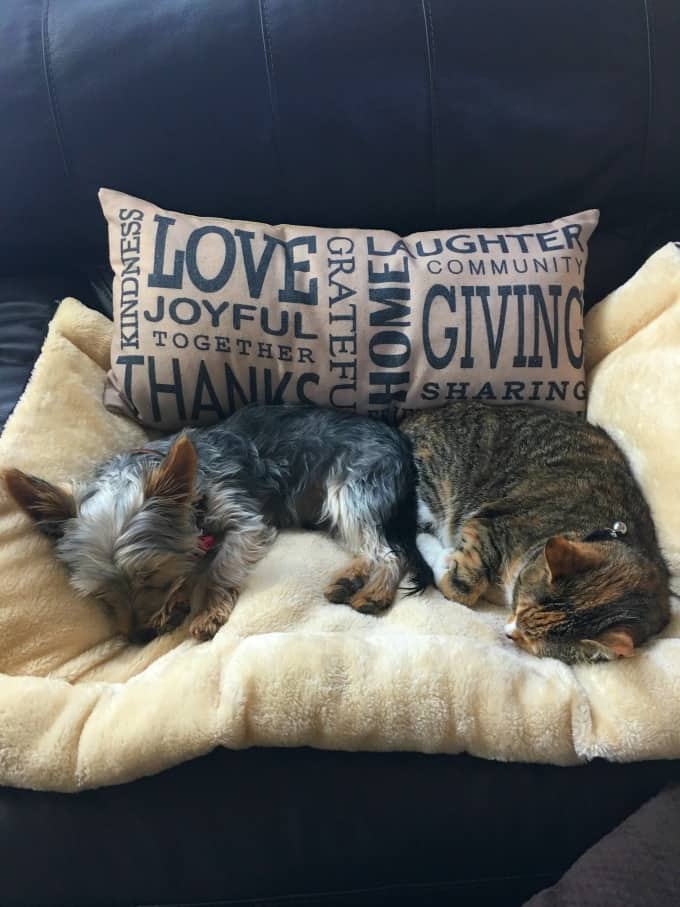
{"x":173,"y":529}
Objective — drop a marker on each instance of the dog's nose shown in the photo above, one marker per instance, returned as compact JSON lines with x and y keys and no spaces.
{"x":142,"y":635}
{"x":179,"y":612}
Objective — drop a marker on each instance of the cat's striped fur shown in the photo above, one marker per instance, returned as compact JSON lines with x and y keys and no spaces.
{"x":513,"y":504}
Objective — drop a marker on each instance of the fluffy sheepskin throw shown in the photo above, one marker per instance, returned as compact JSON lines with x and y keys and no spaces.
{"x":80,"y":707}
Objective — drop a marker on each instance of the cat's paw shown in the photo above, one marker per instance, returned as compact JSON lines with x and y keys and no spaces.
{"x":457,"y":582}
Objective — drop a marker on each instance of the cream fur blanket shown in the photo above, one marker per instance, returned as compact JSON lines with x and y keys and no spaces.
{"x":80,"y":708}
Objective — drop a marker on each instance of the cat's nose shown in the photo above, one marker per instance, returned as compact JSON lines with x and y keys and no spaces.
{"x":511,"y":630}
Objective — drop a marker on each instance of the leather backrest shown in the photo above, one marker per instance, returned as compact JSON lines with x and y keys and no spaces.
{"x":402,"y":114}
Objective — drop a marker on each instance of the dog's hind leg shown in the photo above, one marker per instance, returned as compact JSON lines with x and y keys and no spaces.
{"x":386,"y":568}
{"x":370,"y":581}
{"x":349,"y":580}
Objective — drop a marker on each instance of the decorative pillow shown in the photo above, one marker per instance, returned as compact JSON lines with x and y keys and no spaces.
{"x":211,"y":314}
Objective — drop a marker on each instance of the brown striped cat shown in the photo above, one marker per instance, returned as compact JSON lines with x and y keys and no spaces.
{"x":540,"y":509}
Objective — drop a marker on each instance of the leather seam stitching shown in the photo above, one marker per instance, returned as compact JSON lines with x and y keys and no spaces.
{"x":271,"y":84}
{"x":648,"y":125}
{"x":51,"y":91}
{"x":434,"y":126}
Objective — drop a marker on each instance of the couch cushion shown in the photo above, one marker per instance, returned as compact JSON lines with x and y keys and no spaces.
{"x":27,"y":303}
{"x":364,"y":829}
{"x":22,"y":330}
{"x":407,"y":116}
{"x":637,"y":865}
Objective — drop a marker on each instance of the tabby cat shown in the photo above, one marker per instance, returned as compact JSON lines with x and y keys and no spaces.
{"x":540,"y":508}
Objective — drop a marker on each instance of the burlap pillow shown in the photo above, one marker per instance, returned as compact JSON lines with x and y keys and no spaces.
{"x":211,"y":314}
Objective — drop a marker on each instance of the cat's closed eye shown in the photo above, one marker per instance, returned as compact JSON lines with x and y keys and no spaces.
{"x":555,"y":604}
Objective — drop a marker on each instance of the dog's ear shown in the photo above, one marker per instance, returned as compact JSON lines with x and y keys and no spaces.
{"x":48,"y":505}
{"x":175,"y":478}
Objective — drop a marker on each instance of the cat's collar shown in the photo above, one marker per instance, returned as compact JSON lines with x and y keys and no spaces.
{"x":617,"y":531}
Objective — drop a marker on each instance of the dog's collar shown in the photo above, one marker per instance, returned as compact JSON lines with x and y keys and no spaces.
{"x":617,"y":531}
{"x":206,"y":542}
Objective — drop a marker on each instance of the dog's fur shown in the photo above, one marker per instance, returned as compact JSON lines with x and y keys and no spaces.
{"x":176,"y":527}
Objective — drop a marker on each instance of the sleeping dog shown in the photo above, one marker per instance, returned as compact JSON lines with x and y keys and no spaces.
{"x":174,"y":528}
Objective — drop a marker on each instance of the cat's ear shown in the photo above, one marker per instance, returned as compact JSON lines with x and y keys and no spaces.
{"x":48,"y":505}
{"x":615,"y":643}
{"x":566,"y":558}
{"x":619,"y":642}
{"x":176,"y":476}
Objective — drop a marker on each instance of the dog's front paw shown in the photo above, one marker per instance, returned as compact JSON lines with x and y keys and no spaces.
{"x":214,"y":616}
{"x":170,"y":616}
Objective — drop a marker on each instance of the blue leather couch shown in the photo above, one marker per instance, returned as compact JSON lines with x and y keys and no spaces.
{"x":403,"y":114}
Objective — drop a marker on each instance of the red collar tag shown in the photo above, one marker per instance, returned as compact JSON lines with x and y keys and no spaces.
{"x":206,"y":543}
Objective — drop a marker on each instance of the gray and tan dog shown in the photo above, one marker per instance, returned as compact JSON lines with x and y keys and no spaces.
{"x":176,"y":527}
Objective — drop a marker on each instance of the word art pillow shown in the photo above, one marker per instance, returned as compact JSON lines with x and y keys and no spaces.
{"x":211,"y":314}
